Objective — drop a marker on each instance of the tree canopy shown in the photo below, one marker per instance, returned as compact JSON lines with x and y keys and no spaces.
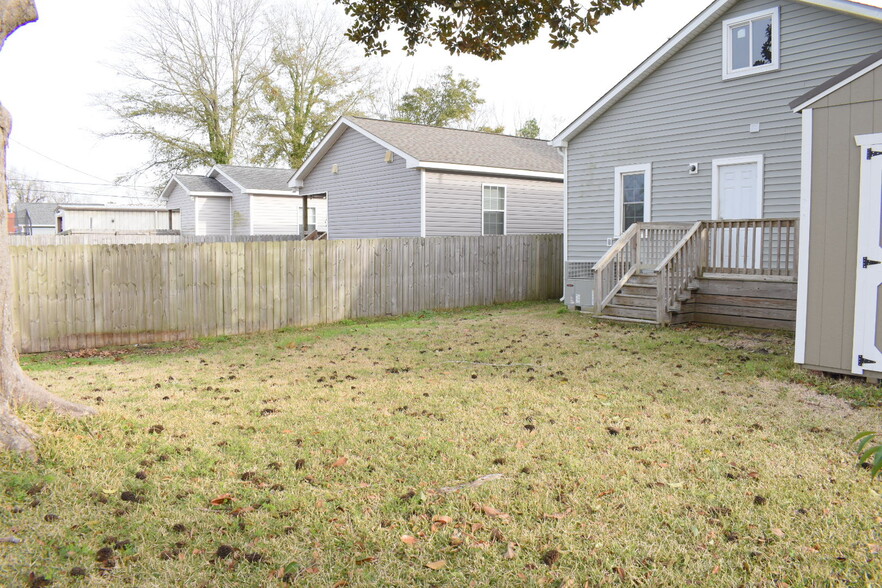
{"x":485,"y":28}
{"x":447,"y":100}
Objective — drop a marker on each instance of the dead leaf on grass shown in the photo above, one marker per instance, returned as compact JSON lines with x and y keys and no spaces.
{"x":409,"y":539}
{"x":777,"y":532}
{"x":510,"y":552}
{"x":874,"y":548}
{"x":340,"y":462}
{"x":557,"y":516}
{"x":436,"y":565}
{"x":222,"y":499}
{"x":492,"y":512}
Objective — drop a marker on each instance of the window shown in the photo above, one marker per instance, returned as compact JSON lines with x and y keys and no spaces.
{"x":632,"y":196}
{"x":750,"y":44}
{"x":493,"y":208}
{"x":310,"y":218}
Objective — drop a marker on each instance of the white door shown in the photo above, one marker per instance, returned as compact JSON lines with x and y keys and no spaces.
{"x":212,"y":216}
{"x":867,"y":330}
{"x":739,"y":196}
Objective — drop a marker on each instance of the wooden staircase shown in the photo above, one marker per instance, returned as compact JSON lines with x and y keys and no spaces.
{"x":653,"y":270}
{"x":636,"y":301}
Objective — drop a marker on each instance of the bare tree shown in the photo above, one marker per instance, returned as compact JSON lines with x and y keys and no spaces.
{"x":317,"y":76}
{"x":27,"y":189}
{"x":197,"y":67}
{"x":16,"y":387}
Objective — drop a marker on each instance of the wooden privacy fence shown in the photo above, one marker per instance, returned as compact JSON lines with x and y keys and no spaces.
{"x":81,"y":296}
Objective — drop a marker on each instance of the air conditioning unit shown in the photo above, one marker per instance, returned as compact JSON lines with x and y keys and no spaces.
{"x":579,"y":287}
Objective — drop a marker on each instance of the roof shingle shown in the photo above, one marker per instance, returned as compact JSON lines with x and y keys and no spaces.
{"x":258,"y":178}
{"x":200,"y":184}
{"x":460,"y":147}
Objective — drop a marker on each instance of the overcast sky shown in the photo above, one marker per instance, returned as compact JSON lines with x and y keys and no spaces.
{"x":53,"y":70}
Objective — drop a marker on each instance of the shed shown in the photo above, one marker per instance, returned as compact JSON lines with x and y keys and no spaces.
{"x":99,"y":219}
{"x":839,"y":307}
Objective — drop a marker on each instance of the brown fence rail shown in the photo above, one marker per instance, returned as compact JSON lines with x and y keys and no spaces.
{"x":81,"y":296}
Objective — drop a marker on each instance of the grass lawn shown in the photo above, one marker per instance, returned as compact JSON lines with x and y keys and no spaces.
{"x":330,"y":457}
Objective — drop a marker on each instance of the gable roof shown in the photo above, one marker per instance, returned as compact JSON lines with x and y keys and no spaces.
{"x":200,"y":184}
{"x":677,"y":42}
{"x":42,"y":214}
{"x":255,"y":179}
{"x":445,"y":149}
{"x":841,"y":79}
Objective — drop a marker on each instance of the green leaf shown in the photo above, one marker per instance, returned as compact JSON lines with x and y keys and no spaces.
{"x":862,"y":434}
{"x":864,"y":442}
{"x":866,"y":454}
{"x":877,"y":465}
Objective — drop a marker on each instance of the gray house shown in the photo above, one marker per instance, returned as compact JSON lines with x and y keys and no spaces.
{"x":683,"y":181}
{"x":394,"y":179}
{"x":239,"y":200}
{"x":35,"y":218}
{"x":840,"y":241}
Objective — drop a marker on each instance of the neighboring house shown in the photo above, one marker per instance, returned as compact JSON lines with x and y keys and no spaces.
{"x":839,"y":317}
{"x":83,"y":219}
{"x":394,"y":179}
{"x":238,"y":200}
{"x":702,"y":131}
{"x":35,"y":218}
{"x":10,"y":222}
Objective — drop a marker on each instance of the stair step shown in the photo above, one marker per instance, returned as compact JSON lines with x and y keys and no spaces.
{"x":630,"y":312}
{"x":643,"y":280}
{"x":623,"y":299}
{"x":630,"y":289}
{"x":622,"y":319}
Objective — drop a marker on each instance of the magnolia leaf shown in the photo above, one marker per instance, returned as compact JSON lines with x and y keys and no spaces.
{"x":436,"y":565}
{"x":340,"y":462}
{"x":408,"y":539}
{"x":222,"y":499}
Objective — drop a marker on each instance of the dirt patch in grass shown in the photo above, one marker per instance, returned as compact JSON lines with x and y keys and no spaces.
{"x":506,"y":446}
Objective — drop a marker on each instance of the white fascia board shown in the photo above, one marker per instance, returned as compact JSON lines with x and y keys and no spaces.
{"x":867,"y":140}
{"x":269,"y":192}
{"x":809,"y":103}
{"x":166,"y":192}
{"x":328,"y":141}
{"x":675,"y":43}
{"x":215,"y":172}
{"x":211,"y":194}
{"x":653,"y":62}
{"x":853,"y":8}
{"x":488,"y":171}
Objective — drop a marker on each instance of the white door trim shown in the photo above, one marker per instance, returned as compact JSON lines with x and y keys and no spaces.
{"x":618,"y":205}
{"x":869,"y":212}
{"x":716,"y":164}
{"x":805,"y":217}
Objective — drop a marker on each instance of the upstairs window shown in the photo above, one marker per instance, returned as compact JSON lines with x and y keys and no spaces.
{"x":750,"y":44}
{"x":493,"y":208}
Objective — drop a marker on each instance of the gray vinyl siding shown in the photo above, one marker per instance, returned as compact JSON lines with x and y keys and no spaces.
{"x":685,"y":112}
{"x":180,"y":199}
{"x":855,"y":109}
{"x":212,"y":215}
{"x":368,"y":197}
{"x":453,"y":204}
{"x":241,"y":207}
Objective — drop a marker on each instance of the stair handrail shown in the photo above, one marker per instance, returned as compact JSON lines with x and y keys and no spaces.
{"x":627,"y":262}
{"x":678,"y":269}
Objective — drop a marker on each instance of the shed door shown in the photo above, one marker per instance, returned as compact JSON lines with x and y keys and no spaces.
{"x":212,"y":216}
{"x":867,"y":329}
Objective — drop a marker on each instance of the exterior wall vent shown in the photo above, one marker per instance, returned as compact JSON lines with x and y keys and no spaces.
{"x":335,"y":169}
{"x":390,"y":157}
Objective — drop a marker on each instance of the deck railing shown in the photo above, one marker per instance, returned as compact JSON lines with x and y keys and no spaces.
{"x":678,"y":270}
{"x":680,"y":253}
{"x":760,"y":247}
{"x":639,"y":248}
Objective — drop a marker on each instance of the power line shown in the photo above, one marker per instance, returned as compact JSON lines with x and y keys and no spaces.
{"x":94,"y":195}
{"x":81,"y":183}
{"x":79,"y":171}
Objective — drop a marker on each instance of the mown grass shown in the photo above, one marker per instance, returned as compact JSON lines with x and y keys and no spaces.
{"x":628,"y":455}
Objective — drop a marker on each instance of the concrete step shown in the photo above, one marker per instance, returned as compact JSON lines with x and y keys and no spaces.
{"x":641,"y":301}
{"x":630,"y":312}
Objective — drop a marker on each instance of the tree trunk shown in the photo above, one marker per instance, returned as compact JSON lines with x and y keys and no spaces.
{"x":16,"y":387}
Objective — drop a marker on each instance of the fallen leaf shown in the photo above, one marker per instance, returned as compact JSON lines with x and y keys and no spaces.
{"x":339,"y":463}
{"x":716,"y":570}
{"x":444,"y":520}
{"x":557,"y":516}
{"x":875,"y":548}
{"x":409,"y":539}
{"x":222,"y":499}
{"x":436,"y":565}
{"x":366,"y":560}
{"x":341,"y":583}
{"x":510,"y":552}
{"x":777,"y":532}
{"x":621,"y":573}
{"x":492,"y":512}
{"x":605,"y":493}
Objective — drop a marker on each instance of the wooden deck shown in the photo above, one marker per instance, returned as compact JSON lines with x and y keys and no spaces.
{"x":740,"y":273}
